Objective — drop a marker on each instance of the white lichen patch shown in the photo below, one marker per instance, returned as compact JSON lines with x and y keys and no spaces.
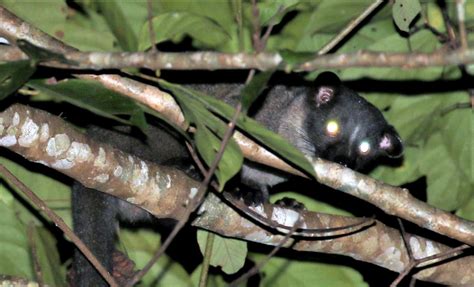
{"x":118,"y":171}
{"x":16,"y":119}
{"x":392,"y":256}
{"x":259,"y":236}
{"x":420,"y":252}
{"x":284,"y":216}
{"x":63,"y":164}
{"x":102,"y":178}
{"x":2,"y":127}
{"x":29,"y":133}
{"x":8,"y":140}
{"x":245,"y":223}
{"x":139,"y":175}
{"x":44,"y":133}
{"x":259,"y":209}
{"x":192,"y":192}
{"x":101,"y":159}
{"x":57,"y":145}
{"x":79,"y":152}
{"x":163,"y":182}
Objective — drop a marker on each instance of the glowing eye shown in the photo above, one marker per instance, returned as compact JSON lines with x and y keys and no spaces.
{"x":364,"y":147}
{"x":332,"y":128}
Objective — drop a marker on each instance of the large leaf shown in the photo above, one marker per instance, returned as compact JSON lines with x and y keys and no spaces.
{"x":13,"y":75}
{"x":314,"y":27}
{"x":176,"y":25}
{"x":54,"y":273}
{"x":404,"y":11}
{"x":81,"y":31}
{"x":423,"y":41}
{"x":281,"y":272}
{"x":14,"y":249}
{"x":116,"y":17}
{"x":254,"y":89}
{"x":93,"y":97}
{"x":227,"y":253}
{"x":209,"y":134}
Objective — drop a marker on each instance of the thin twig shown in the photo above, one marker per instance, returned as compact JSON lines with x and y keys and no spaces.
{"x":462,"y":26}
{"x":207,"y":259}
{"x":405,"y":238}
{"x":150,"y":26}
{"x":256,"y":27}
{"x":58,"y":221}
{"x":351,"y":26}
{"x":210,"y":237}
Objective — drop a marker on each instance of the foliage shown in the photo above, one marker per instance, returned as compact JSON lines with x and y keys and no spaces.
{"x":438,"y":143}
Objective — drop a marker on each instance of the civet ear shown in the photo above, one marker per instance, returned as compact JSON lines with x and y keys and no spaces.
{"x":326,"y":84}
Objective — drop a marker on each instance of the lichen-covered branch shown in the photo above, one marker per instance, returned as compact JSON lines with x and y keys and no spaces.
{"x":395,"y":201}
{"x":164,"y":192}
{"x":46,"y":139}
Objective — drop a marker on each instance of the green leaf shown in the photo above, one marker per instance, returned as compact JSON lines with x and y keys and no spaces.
{"x":254,"y":89}
{"x":81,"y":31}
{"x":14,"y":250}
{"x":281,"y":272}
{"x":140,"y":247}
{"x":270,"y":11}
{"x":227,"y":253}
{"x":423,"y":41}
{"x":55,"y":193}
{"x":434,"y":16}
{"x":467,"y":210}
{"x":174,"y":26}
{"x":404,"y":11}
{"x":94,"y":97}
{"x":446,"y":188}
{"x":408,"y":171}
{"x":117,"y":19}
{"x":13,"y":75}
{"x":209,"y":134}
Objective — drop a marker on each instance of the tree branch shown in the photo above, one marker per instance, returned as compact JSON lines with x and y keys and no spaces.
{"x":165,"y":192}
